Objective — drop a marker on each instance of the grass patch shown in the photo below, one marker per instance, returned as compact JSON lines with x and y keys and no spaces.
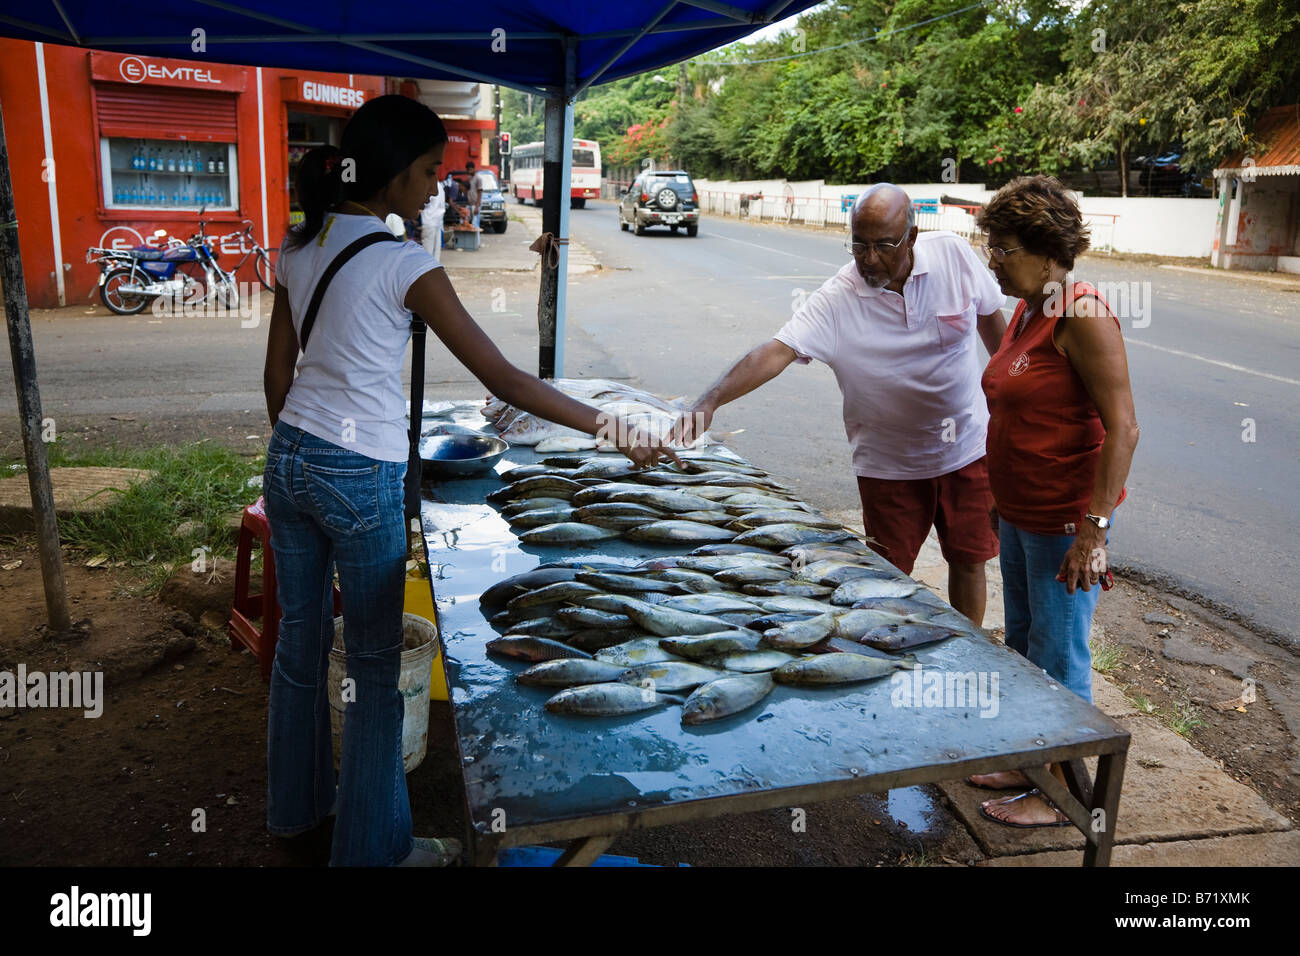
{"x":199,"y":486}
{"x":1106,"y":656}
{"x":1185,"y":719}
{"x":1142,"y":704}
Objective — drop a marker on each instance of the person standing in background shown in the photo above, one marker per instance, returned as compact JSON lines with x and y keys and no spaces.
{"x":431,"y":224}
{"x":475,"y":192}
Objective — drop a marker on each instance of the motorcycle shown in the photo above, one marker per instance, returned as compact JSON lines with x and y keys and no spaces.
{"x":130,"y":279}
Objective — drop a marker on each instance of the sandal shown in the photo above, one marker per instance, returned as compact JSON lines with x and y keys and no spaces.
{"x":1061,"y":818}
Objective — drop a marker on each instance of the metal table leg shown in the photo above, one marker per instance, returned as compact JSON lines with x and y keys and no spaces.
{"x":1110,"y":778}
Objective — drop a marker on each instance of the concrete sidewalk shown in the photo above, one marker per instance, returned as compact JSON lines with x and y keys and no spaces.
{"x":509,"y":252}
{"x":1177,"y":808}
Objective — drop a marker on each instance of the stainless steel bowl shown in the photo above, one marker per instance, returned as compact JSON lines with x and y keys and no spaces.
{"x":460,"y":456}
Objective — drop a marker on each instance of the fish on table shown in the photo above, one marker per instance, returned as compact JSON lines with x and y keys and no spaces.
{"x":528,"y":648}
{"x":821,"y":669}
{"x":726,"y":696}
{"x":613,"y":699}
{"x":570,"y":672}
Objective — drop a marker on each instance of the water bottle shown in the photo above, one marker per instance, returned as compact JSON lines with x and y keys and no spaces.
{"x":212,"y":164}
{"x":221,"y":163}
{"x":152,"y":163}
{"x":171,"y":161}
{"x":189,"y":161}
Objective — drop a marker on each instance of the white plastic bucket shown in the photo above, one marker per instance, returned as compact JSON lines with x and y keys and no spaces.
{"x":420,"y":645}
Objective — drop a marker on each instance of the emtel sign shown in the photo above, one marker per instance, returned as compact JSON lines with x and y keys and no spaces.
{"x":136,"y":70}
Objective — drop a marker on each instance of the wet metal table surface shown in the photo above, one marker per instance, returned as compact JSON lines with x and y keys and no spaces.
{"x":532,"y":775}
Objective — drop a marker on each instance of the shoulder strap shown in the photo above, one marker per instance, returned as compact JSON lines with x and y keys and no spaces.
{"x":308,"y":320}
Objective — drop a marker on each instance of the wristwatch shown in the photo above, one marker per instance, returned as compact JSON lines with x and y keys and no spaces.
{"x":1099,"y":521}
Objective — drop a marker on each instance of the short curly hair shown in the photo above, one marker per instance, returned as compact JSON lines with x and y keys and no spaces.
{"x":1041,"y":213}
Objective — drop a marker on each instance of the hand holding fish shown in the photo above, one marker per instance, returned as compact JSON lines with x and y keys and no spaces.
{"x":643,"y":450}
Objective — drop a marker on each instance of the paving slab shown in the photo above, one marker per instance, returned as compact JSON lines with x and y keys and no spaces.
{"x":76,"y":491}
{"x":1171,"y":792}
{"x":1252,"y":849}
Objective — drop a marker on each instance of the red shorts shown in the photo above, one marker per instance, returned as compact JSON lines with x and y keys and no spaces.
{"x":898,"y":515}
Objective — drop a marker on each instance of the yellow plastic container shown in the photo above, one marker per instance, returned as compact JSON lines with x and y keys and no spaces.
{"x":419,"y":601}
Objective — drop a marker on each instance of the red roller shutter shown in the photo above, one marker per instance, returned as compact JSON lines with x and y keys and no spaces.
{"x":153,"y":113}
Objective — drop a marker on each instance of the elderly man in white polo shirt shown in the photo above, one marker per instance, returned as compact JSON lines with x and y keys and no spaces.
{"x":897,"y":324}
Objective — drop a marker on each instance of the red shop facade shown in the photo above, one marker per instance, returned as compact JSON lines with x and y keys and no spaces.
{"x":106,"y":148}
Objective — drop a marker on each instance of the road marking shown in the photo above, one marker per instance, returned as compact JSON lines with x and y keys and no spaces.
{"x":793,"y":255}
{"x":1209,"y":361}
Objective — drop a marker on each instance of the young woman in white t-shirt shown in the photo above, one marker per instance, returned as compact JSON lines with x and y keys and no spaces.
{"x":334,"y":475}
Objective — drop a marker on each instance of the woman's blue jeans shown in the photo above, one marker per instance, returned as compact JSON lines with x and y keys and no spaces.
{"x":330,"y":507}
{"x":1044,"y":622}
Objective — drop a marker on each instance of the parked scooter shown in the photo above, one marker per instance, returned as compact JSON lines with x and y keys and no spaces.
{"x":131,"y":278}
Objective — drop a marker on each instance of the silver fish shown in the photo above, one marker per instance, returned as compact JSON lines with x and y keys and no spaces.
{"x":551,"y":593}
{"x":895,"y":637}
{"x":788,"y":588}
{"x":712,"y":603}
{"x":606,"y":700}
{"x":598,"y":638}
{"x":716,"y":644}
{"x":582,"y":618}
{"x":856,"y":590}
{"x":540,"y":516}
{"x":800,"y":634}
{"x":835,"y":669}
{"x":517,"y":505}
{"x":629,"y":583}
{"x":645,"y":650}
{"x":695,"y":581}
{"x":782,"y":603}
{"x":566,"y":532}
{"x":756,"y":519}
{"x":752,"y":574}
{"x":750,"y":662}
{"x":501,"y":592}
{"x":569,"y":673}
{"x":548,"y":627}
{"x":529,"y":648}
{"x":669,"y":677}
{"x":667,"y":622}
{"x":675,"y":531}
{"x":721,"y":562}
{"x":666,"y":499}
{"x":854,"y":623}
{"x":726,"y":696}
{"x":785,"y":535}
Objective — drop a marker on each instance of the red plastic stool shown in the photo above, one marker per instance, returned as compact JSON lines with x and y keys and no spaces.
{"x":255,"y":618}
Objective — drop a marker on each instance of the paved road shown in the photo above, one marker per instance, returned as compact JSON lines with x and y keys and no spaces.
{"x":1208,"y":512}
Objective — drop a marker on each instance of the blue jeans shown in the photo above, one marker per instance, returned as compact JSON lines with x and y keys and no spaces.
{"x":1044,"y":622}
{"x":327,"y":507}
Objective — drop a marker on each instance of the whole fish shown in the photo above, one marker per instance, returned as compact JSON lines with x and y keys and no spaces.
{"x":540,"y":516}
{"x":714,"y":550}
{"x":566,"y":532}
{"x":753,"y":574}
{"x":569,"y":672}
{"x":678,"y":531}
{"x":552,"y":593}
{"x":614,"y":603}
{"x":843,"y":551}
{"x":528,"y":648}
{"x":599,"y":638}
{"x":756,"y":519}
{"x":750,"y":662}
{"x":895,"y":637}
{"x":669,"y":677}
{"x":582,"y":618}
{"x":501,"y":592}
{"x":602,"y":468}
{"x":856,"y":622}
{"x":722,"y":562}
{"x":562,"y":443}
{"x":606,"y":700}
{"x":667,"y":622}
{"x":645,"y":650}
{"x":592,"y":514}
{"x":566,"y":462}
{"x":746,"y":501}
{"x":629,"y":583}
{"x":859,"y":588}
{"x":716,"y":518}
{"x":713,"y":603}
{"x":712,"y":645}
{"x":665,"y":499}
{"x":769,"y":621}
{"x":532,"y":471}
{"x":785,"y":535}
{"x":800,"y":634}
{"x":782,"y":603}
{"x":695,"y":581}
{"x":551,"y":486}
{"x":548,"y":627}
{"x":598,"y":493}
{"x":620,"y":523}
{"x":787,"y":588}
{"x":515,"y":615}
{"x":517,"y":505}
{"x":905,"y":607}
{"x":726,"y":696}
{"x":835,"y":669}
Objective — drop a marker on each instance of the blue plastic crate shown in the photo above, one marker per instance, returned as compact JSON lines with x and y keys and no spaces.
{"x":546,"y":856}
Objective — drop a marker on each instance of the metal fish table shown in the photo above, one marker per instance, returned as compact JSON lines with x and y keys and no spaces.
{"x":532,"y":776}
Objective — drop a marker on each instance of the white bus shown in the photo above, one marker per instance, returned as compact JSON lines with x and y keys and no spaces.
{"x":526,"y":172}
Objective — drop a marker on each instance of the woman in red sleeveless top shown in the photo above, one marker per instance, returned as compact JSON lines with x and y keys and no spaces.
{"x":1062,"y":430}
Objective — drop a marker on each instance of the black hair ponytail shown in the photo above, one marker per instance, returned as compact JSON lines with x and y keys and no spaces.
{"x":320,"y":189}
{"x":383,"y":137}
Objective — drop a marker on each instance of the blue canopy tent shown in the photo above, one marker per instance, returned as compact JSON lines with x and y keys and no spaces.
{"x":556,"y":48}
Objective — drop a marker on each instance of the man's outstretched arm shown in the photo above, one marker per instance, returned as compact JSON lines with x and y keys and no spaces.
{"x":760,"y":365}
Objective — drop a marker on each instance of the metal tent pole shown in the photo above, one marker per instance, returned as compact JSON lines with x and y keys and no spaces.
{"x":29,"y":401}
{"x":557,"y":170}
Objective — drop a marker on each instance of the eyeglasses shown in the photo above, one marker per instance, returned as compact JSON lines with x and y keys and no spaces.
{"x":882,"y":247}
{"x":996,"y":254}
